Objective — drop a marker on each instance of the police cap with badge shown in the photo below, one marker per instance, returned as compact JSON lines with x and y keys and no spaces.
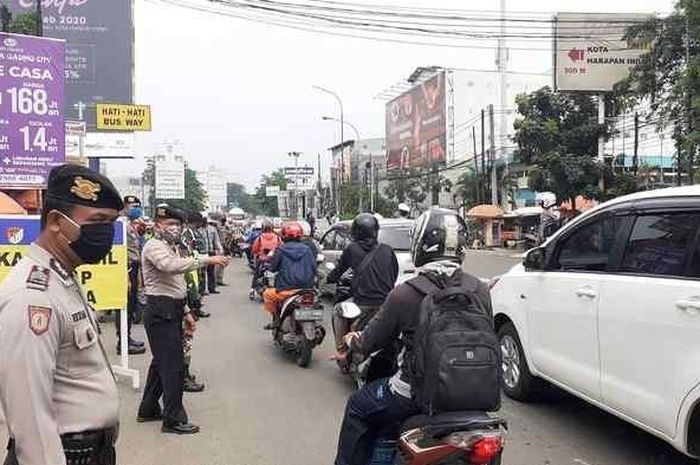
{"x":166,"y":212}
{"x":132,"y":200}
{"x":78,"y":185}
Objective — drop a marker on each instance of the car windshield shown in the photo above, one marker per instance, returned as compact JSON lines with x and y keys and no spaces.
{"x":397,"y":237}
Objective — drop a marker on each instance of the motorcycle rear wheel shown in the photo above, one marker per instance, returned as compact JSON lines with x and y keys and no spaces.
{"x":303,"y":355}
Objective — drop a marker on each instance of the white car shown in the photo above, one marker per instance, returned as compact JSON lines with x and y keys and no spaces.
{"x":609,"y":310}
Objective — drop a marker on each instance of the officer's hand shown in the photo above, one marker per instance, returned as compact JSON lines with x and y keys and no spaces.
{"x":190,"y":324}
{"x":219,"y":260}
{"x":339,"y":356}
{"x":349,"y":337}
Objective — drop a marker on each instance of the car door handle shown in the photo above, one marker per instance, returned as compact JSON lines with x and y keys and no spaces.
{"x":690,"y":306}
{"x":586,"y":292}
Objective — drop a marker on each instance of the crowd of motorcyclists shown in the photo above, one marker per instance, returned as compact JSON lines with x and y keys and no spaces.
{"x":374,"y":320}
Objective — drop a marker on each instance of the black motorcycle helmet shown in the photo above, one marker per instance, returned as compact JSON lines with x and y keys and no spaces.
{"x":364,"y":226}
{"x":438,"y":234}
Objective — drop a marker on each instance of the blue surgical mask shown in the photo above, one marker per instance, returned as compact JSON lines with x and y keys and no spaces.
{"x":134,"y":213}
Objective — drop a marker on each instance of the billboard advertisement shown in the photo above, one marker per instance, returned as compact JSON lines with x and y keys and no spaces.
{"x":99,"y":50}
{"x":590,"y":54}
{"x":170,"y":171}
{"x":104,"y":283}
{"x":32,"y":129}
{"x":300,"y":177}
{"x":416,"y":126}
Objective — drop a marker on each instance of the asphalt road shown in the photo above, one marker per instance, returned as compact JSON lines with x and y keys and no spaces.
{"x":259,"y":408}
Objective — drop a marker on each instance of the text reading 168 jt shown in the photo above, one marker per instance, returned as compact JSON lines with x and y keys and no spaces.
{"x":28,"y":101}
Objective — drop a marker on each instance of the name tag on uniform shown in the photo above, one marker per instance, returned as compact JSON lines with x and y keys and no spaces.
{"x":78,"y":316}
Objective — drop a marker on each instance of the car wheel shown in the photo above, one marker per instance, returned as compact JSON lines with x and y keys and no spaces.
{"x":518,"y":383}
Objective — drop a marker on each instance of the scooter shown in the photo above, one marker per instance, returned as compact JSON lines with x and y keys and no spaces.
{"x":299,"y":327}
{"x":265,"y":279}
{"x":380,"y":364}
{"x":453,"y":438}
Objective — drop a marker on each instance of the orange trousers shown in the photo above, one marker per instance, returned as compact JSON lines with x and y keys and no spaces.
{"x":273,"y":298}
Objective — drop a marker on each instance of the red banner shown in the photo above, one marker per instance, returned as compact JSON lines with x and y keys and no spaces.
{"x":416,"y":126}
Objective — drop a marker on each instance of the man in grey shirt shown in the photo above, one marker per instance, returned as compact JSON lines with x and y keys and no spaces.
{"x":215,"y":248}
{"x":166,"y":291}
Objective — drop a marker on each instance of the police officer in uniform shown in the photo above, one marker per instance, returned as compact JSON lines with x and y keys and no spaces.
{"x":166,"y":293}
{"x":56,"y":385}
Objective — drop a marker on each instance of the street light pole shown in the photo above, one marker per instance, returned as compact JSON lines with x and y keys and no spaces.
{"x":39,"y":19}
{"x":296,"y":156}
{"x":342,"y":139}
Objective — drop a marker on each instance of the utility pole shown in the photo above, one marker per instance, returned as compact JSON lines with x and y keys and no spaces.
{"x":635,"y":158}
{"x":483,"y":151}
{"x":319,"y":187}
{"x":39,"y":20}
{"x":492,"y":157}
{"x":690,"y":148}
{"x":295,"y":195}
{"x":502,"y":67}
{"x":476,"y":168}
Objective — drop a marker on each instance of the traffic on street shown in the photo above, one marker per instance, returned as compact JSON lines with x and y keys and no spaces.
{"x":350,"y":232}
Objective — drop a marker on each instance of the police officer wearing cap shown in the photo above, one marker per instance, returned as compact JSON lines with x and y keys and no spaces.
{"x":132,"y":211}
{"x":56,"y":385}
{"x":166,"y":292}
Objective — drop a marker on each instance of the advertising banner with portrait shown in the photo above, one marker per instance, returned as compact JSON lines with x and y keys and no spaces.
{"x":416,"y":126}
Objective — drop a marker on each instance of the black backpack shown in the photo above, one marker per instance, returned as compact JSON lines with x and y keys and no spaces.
{"x":456,"y":356}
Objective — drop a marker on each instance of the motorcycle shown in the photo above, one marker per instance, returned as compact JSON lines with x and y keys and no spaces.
{"x":459,"y":438}
{"x":265,"y":279}
{"x":299,"y":326}
{"x":450,"y":438}
{"x":380,"y":364}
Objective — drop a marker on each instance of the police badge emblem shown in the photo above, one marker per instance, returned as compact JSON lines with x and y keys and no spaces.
{"x":39,"y":319}
{"x":14,"y":235}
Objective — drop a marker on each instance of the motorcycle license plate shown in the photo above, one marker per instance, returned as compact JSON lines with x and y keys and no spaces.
{"x":305,"y":314}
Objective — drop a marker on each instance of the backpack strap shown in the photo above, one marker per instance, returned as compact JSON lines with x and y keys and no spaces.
{"x":422,"y":284}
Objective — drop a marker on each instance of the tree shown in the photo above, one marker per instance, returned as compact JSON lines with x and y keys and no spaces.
{"x":467,"y":185}
{"x":668,"y":77}
{"x":558,"y":135}
{"x":268,"y":205}
{"x":407,"y":187}
{"x":25,"y":23}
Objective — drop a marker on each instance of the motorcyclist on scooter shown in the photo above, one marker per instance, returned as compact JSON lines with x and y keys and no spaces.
{"x":375,"y":269}
{"x":263,"y":248}
{"x":438,"y":244}
{"x":295,"y":265}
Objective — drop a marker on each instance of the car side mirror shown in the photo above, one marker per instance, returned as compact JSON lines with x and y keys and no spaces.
{"x":534,"y":259}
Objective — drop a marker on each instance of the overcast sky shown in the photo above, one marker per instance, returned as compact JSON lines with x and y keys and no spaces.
{"x":239,"y":94}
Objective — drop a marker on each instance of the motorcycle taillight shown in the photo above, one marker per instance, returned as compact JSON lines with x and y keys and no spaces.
{"x":484,"y":448}
{"x":307,"y":299}
{"x":481,"y":446}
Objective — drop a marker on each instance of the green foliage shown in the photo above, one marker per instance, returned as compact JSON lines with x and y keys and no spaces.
{"x":268,"y":205}
{"x":558,"y":134}
{"x":413,"y":185}
{"x":467,"y":185}
{"x":25,"y":23}
{"x":666,"y":79}
{"x":236,"y":196}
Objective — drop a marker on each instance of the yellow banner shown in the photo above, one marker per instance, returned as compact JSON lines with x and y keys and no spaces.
{"x":104,"y":284}
{"x":120,"y":117}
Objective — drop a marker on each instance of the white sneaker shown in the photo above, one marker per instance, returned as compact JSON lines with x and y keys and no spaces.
{"x":251,"y":294}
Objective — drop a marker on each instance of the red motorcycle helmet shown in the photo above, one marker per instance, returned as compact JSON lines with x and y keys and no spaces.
{"x":292,"y":231}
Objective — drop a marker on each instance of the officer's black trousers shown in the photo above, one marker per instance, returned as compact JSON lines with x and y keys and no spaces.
{"x":163,"y":322}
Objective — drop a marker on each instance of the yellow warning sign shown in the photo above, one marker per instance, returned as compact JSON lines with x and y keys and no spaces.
{"x":121,"y":117}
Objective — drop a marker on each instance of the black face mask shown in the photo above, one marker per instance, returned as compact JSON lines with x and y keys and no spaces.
{"x":94,"y":243}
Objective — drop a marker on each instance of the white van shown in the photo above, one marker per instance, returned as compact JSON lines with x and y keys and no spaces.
{"x":609,"y":310}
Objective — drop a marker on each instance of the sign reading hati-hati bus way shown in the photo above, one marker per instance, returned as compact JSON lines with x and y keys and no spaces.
{"x":591,"y":53}
{"x":121,"y":117}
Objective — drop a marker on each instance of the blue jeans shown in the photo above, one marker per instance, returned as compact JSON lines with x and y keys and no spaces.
{"x":369,"y":410}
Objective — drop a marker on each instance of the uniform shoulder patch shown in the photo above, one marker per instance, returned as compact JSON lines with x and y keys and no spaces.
{"x":39,"y":319}
{"x":38,"y":278}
